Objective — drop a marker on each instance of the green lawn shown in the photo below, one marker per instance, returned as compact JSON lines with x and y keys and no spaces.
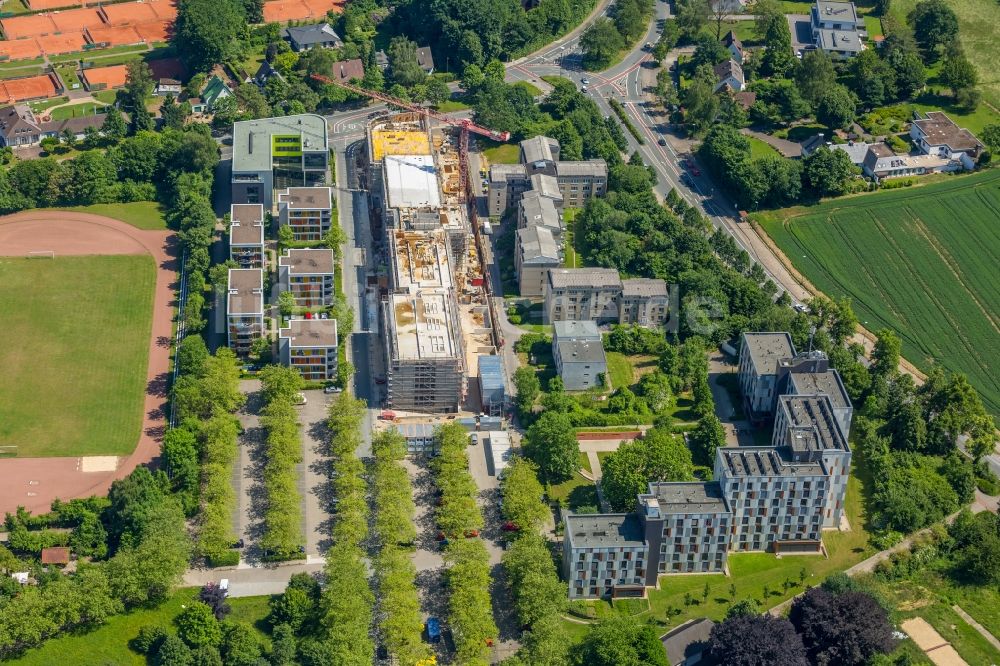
{"x":140,"y":214}
{"x":19,"y":68}
{"x":979,"y":35}
{"x":759,"y":149}
{"x":504,"y":153}
{"x":573,"y":253}
{"x":38,"y":107}
{"x":108,"y":645}
{"x":532,"y":89}
{"x":15,"y":7}
{"x":574,"y":493}
{"x":74,"y":110}
{"x":873,"y":25}
{"x":619,"y":370}
{"x":920,"y":261}
{"x":744,"y":30}
{"x":750,"y":573}
{"x":106,"y":96}
{"x":974,"y":121}
{"x":74,"y":347}
{"x":69,"y":76}
{"x":452,"y":105}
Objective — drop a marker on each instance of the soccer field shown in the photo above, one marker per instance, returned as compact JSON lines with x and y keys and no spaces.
{"x":922,"y":261}
{"x":74,"y":347}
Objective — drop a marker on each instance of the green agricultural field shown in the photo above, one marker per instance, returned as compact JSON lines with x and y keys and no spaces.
{"x":109,"y":643}
{"x":74,"y":347}
{"x":140,"y":214}
{"x":921,"y":261}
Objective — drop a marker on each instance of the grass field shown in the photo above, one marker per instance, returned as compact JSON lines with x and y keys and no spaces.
{"x":140,"y":214}
{"x":74,"y":347}
{"x":109,"y":644}
{"x":759,"y":149}
{"x":75,"y":110}
{"x":921,"y":261}
{"x":503,"y":153}
{"x":979,"y":35}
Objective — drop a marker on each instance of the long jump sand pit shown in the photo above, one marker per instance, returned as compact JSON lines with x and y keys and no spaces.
{"x":35,"y":482}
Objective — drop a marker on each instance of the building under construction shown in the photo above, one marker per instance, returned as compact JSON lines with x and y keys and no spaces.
{"x":414,"y":184}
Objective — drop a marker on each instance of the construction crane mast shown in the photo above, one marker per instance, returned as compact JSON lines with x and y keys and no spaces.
{"x":465,"y":126}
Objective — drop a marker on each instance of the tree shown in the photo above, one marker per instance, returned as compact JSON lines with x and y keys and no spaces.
{"x":138,"y":84}
{"x":285,"y":235}
{"x":629,"y":19}
{"x":404,"y":69}
{"x":282,"y":645}
{"x":551,"y":444}
{"x":828,"y":171}
{"x":600,"y":43}
{"x":174,"y":115}
{"x":214,"y":597}
{"x":658,"y":456}
{"x":293,"y":608}
{"x":815,"y":74}
{"x":755,"y":640}
{"x":886,"y":354}
{"x":533,"y":579}
{"x":207,"y":31}
{"x":173,"y":652}
{"x":140,"y":120}
{"x":935,"y":25}
{"x":89,"y":538}
{"x":882,"y":7}
{"x":848,"y":628}
{"x":692,"y":15}
{"x":701,"y":104}
{"x":977,"y":545}
{"x":836,"y":106}
{"x":437,"y":91}
{"x":743,"y":608}
{"x":522,"y":495}
{"x":286,"y":303}
{"x":771,"y":27}
{"x":527,"y":386}
{"x":991,"y":136}
{"x":875,"y":80}
{"x":900,"y":51}
{"x":706,"y":438}
{"x":197,"y":626}
{"x":240,"y":645}
{"x":621,"y":640}
{"x":958,"y":73}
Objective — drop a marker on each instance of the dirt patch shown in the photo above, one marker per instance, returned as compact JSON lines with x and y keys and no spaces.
{"x":35,"y":482}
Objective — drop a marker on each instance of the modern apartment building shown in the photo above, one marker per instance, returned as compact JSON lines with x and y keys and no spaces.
{"x":536,"y":251}
{"x":310,"y":346}
{"x":246,"y":235}
{"x":599,"y":294}
{"x":308,"y":274}
{"x":758,"y":370}
{"x":307,"y":211}
{"x":536,"y":210}
{"x":605,"y":555}
{"x":644,"y":302}
{"x":837,"y":28}
{"x":576,"y":181}
{"x":244,"y":308}
{"x":277,"y":153}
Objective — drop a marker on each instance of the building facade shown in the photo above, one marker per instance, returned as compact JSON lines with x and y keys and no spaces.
{"x":644,"y":302}
{"x":578,"y":353}
{"x":244,"y":308}
{"x":310,"y":346}
{"x":246,"y":235}
{"x":278,"y":153}
{"x":536,"y":251}
{"x":758,"y":370}
{"x":492,"y":390}
{"x":308,"y":274}
{"x":307,"y":211}
{"x":582,"y":294}
{"x":937,"y":135}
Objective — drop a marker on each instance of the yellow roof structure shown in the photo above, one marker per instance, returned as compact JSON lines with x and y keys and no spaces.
{"x":390,"y":142}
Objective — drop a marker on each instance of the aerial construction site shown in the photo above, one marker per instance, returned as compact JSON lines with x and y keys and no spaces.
{"x":433,"y":299}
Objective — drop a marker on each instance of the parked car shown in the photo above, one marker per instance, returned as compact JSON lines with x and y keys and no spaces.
{"x":380,"y":380}
{"x":433,"y":630}
{"x":585,"y":82}
{"x":331,"y":389}
{"x":661,"y":141}
{"x":474,"y":439}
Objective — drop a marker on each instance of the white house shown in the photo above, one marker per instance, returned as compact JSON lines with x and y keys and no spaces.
{"x":937,"y":134}
{"x":729,"y":75}
{"x":734,"y":46}
{"x":837,"y":28}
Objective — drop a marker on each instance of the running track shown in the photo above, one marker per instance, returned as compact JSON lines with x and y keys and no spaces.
{"x":35,"y":482}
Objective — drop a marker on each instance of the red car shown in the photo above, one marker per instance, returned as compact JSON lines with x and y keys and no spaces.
{"x":511,"y":527}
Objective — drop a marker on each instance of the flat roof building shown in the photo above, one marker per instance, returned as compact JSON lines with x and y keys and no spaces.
{"x":246,"y":235}
{"x":307,"y":211}
{"x":310,"y":346}
{"x":411,"y":181}
{"x":760,"y":354}
{"x":244,"y":308}
{"x":277,"y":153}
{"x":308,"y":273}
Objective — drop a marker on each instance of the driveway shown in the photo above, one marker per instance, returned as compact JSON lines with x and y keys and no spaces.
{"x":739,"y":432}
{"x":314,"y":481}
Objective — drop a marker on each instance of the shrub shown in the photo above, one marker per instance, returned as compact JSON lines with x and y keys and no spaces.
{"x":149,"y":639}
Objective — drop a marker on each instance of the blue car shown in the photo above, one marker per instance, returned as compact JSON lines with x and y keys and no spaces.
{"x":433,"y":630}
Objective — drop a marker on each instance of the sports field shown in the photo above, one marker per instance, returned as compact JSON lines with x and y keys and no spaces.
{"x":74,"y":347}
{"x":921,"y":261}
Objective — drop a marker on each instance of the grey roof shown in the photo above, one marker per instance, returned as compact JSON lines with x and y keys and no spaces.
{"x":306,"y":198}
{"x":17,"y":117}
{"x":500,"y":172}
{"x":685,"y":497}
{"x":766,"y":349}
{"x":829,"y":10}
{"x":596,"y":278}
{"x":577,"y":330}
{"x":537,"y":149}
{"x":839,"y":40}
{"x":490,"y":373}
{"x":318,"y":33}
{"x":594,"y":168}
{"x":644,"y":287}
{"x":604,"y":530}
{"x":938,"y":129}
{"x":303,"y":333}
{"x":855,"y":150}
{"x":580,"y":351}
{"x":308,"y":261}
{"x":687,"y":640}
{"x":415,"y":430}
{"x":538,"y":245}
{"x":538,"y":210}
{"x":246,"y":291}
{"x":765,"y":461}
{"x":425,"y":58}
{"x":728,"y":68}
{"x":248,"y":224}
{"x":252,"y":138}
{"x":76,"y":124}
{"x":546,"y":186}
{"x":266,"y":71}
{"x":381,"y":59}
{"x":812,"y":423}
{"x":826,"y":383}
{"x":731,"y":38}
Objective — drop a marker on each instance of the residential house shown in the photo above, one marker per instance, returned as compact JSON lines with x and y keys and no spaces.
{"x":265,"y":73}
{"x":937,"y":134}
{"x":425,"y":59}
{"x":578,"y":353}
{"x":318,"y":35}
{"x":881,"y":162}
{"x":856,"y":150}
{"x":734,"y":46}
{"x":686,"y":644}
{"x":308,"y":274}
{"x":214,"y":91}
{"x":244,"y":308}
{"x":536,"y":252}
{"x":644,"y":301}
{"x":837,"y":28}
{"x":18,"y":126}
{"x":246,"y":235}
{"x":277,"y":153}
{"x":729,"y":76}
{"x":310,"y":346}
{"x":167,"y":86}
{"x":307,"y":211}
{"x":582,"y":294}
{"x":346,"y":71}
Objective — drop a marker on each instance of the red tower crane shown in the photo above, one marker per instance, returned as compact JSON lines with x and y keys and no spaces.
{"x":464,"y":124}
